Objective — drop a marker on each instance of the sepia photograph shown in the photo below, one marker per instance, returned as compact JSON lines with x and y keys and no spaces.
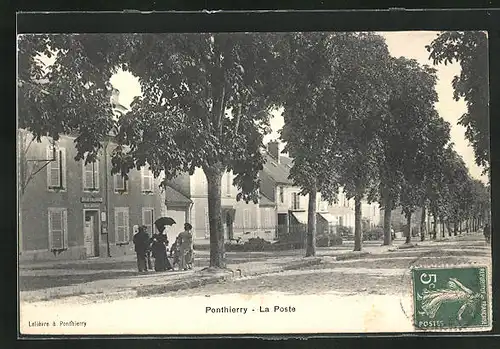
{"x":253,"y":183}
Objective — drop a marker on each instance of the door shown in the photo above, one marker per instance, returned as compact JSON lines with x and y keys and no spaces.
{"x":89,"y":235}
{"x":282,"y":225}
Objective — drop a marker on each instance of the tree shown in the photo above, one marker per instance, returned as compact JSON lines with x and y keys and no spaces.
{"x":310,"y":120}
{"x":451,"y":193}
{"x":362,"y":93}
{"x":205,"y":104}
{"x":406,"y":139}
{"x":470,"y":49}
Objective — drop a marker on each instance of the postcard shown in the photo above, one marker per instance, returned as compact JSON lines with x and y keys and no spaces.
{"x":253,"y":183}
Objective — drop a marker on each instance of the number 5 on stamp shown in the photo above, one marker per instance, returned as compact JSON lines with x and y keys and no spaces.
{"x":451,"y":298}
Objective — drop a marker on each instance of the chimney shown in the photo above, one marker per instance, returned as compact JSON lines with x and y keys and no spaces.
{"x":273,"y":148}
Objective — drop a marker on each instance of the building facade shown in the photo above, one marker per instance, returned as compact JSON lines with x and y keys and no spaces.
{"x":72,"y":210}
{"x":239,"y":219}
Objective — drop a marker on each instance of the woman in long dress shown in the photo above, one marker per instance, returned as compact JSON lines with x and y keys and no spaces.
{"x":186,"y":248}
{"x":159,"y":249}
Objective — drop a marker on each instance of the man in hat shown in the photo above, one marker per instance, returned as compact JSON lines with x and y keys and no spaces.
{"x":141,"y":242}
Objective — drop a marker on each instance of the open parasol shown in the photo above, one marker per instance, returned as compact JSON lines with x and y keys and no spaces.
{"x":163,"y":221}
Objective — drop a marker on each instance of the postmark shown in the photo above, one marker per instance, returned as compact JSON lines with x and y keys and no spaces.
{"x":447,"y":298}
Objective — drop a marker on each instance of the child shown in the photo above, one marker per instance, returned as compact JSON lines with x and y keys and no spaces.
{"x":175,"y":249}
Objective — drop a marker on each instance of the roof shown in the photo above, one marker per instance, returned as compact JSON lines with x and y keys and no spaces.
{"x":172,"y":196}
{"x":278,"y":172}
{"x":265,"y":201}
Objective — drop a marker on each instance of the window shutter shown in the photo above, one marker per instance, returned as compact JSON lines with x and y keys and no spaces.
{"x":50,"y":228}
{"x":87,"y":175}
{"x":142,"y":179}
{"x":56,"y":228}
{"x":118,"y":225}
{"x":96,"y":174}
{"x":149,"y":186}
{"x":65,"y":228}
{"x":147,"y":219}
{"x":62,"y":159}
{"x":146,"y":180}
{"x":53,"y":170}
{"x":126,"y":232}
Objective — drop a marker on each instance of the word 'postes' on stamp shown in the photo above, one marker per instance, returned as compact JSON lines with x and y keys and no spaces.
{"x":450,"y":298}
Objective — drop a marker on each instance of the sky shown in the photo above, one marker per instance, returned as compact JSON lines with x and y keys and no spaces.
{"x":407,"y":44}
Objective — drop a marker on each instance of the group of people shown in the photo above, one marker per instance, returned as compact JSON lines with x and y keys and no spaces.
{"x":156,"y":246}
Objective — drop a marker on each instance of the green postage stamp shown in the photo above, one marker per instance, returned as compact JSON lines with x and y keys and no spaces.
{"x":451,"y":298}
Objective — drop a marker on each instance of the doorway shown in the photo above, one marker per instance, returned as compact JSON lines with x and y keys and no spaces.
{"x":91,"y":232}
{"x":282,"y":225}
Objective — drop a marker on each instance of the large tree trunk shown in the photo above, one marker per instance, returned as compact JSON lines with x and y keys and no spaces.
{"x":408,"y":228}
{"x":422,"y":224}
{"x":443,"y":233}
{"x":387,"y":223}
{"x":434,"y":226}
{"x":311,"y":224}
{"x":357,"y":223}
{"x":448,"y":227}
{"x":455,"y":228}
{"x":467,"y":226}
{"x":214,"y":179}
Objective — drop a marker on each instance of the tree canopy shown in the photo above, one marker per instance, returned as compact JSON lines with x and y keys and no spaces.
{"x":470,"y":50}
{"x":205,"y":103}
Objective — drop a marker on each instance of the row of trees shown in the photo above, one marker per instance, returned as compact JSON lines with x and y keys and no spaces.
{"x":366,"y":121}
{"x":354,"y":116}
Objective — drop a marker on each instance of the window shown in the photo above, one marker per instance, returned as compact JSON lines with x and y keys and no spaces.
{"x":282,"y":194}
{"x":122,"y":231}
{"x":148,"y":219}
{"x":228,"y":183}
{"x":58,"y":228}
{"x":246,"y":219}
{"x":146,"y":180}
{"x":295,"y":201}
{"x":91,"y":176}
{"x":56,"y":170}
{"x":120,"y":183}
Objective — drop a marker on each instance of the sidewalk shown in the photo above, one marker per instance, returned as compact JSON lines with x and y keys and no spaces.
{"x":108,"y":279}
{"x":152,"y":283}
{"x":130,"y":283}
